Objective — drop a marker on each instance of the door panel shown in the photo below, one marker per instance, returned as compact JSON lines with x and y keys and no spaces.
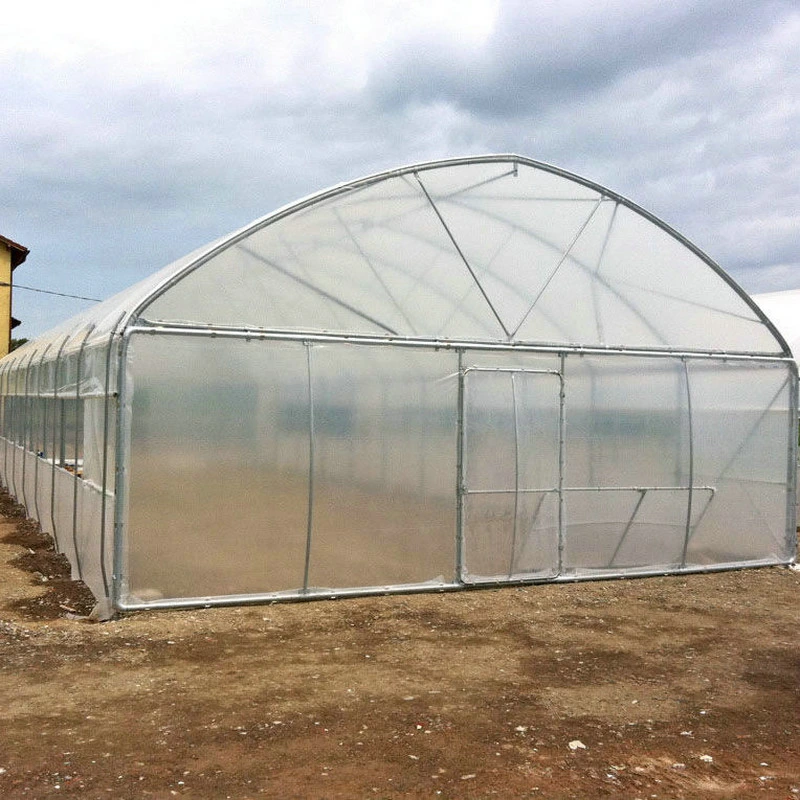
{"x":511,"y":487}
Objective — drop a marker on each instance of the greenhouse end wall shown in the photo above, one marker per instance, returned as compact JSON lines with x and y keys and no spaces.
{"x":335,"y":468}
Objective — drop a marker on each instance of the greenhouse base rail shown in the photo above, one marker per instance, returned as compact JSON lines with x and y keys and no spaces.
{"x":476,"y":585}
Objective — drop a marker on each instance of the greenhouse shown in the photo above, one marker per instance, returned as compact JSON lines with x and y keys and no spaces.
{"x":474,"y":371}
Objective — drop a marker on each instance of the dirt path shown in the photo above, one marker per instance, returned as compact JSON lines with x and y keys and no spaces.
{"x":654,"y":688}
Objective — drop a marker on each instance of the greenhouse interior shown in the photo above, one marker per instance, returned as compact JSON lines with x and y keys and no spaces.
{"x":477,"y":371}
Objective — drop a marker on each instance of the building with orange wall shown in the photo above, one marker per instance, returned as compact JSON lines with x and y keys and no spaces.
{"x":11,"y":256}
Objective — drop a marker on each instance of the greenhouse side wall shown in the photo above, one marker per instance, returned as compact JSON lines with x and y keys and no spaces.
{"x":56,"y":452}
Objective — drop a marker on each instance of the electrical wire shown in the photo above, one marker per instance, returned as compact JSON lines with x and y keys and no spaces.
{"x":48,"y":291}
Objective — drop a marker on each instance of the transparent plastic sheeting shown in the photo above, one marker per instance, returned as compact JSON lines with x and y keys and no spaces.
{"x":435,"y":452}
{"x":783,"y":308}
{"x":488,"y":251}
{"x":647,"y":484}
{"x":494,"y":248}
{"x":264,"y":467}
{"x":511,"y":483}
{"x":57,"y":451}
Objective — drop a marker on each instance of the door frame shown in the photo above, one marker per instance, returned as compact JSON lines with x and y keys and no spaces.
{"x":463,"y":490}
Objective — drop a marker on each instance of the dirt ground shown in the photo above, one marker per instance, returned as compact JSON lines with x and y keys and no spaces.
{"x":674,"y":687}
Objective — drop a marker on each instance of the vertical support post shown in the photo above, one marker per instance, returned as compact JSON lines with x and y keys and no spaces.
{"x":58,"y":428}
{"x":423,"y":460}
{"x":62,"y":433}
{"x":515,"y":527}
{"x":310,"y":515}
{"x":791,"y":495}
{"x":40,"y":403}
{"x":561,"y":462}
{"x":691,"y":465}
{"x":121,"y":468}
{"x":679,"y":445}
{"x":24,"y":434}
{"x":103,"y":503}
{"x":78,"y":431}
{"x":8,"y":424}
{"x":5,"y":408}
{"x":26,"y":427}
{"x":15,"y":434}
{"x":459,"y":576}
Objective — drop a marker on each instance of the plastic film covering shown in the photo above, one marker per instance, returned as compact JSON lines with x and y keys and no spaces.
{"x":511,"y":486}
{"x":376,"y":261}
{"x":498,"y":249}
{"x":62,"y":510}
{"x":740,"y":412}
{"x":44,"y":493}
{"x":384,"y":471}
{"x":223,"y":496}
{"x":18,"y":472}
{"x":627,"y":472}
{"x":783,"y":308}
{"x":494,"y":248}
{"x":86,"y":537}
{"x":218,"y":471}
{"x":53,"y":443}
{"x":94,"y":327}
{"x":29,"y":471}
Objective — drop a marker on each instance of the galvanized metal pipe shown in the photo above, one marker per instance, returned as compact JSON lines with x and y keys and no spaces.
{"x":26,"y":426}
{"x":76,"y":476}
{"x":143,"y":327}
{"x":711,"y":489}
{"x":58,"y":422}
{"x":463,"y":257}
{"x":103,"y":501}
{"x":691,"y":465}
{"x":516,"y":477}
{"x":460,"y":484}
{"x":562,"y":439}
{"x":310,"y":515}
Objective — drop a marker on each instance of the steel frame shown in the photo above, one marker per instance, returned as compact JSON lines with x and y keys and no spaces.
{"x":414,"y":170}
{"x":464,"y":490}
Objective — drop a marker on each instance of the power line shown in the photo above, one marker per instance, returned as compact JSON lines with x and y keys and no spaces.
{"x":48,"y":291}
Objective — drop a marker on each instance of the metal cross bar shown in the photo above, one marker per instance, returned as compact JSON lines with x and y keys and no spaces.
{"x":711,"y":489}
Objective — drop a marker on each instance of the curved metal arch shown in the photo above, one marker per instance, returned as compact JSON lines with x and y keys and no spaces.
{"x":367,"y":181}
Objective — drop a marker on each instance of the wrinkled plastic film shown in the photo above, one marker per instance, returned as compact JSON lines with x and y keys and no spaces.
{"x":384,"y":467}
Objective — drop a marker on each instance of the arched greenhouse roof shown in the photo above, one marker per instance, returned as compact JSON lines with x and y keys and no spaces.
{"x":491,"y":249}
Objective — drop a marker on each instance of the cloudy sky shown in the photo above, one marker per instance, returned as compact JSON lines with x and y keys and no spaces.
{"x":133,"y":133}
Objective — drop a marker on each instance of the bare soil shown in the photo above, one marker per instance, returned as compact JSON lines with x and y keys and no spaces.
{"x":673,"y":687}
